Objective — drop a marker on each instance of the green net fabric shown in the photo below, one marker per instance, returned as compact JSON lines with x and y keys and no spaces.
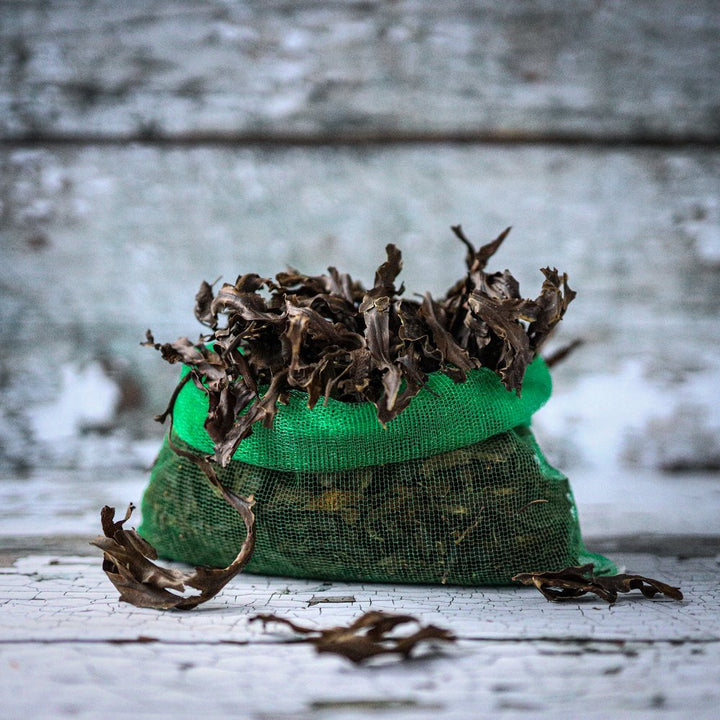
{"x":454,"y":490}
{"x":336,"y":436}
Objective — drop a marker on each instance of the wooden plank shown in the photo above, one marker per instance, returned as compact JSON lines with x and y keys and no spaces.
{"x":641,"y":71}
{"x":101,"y":243}
{"x":515,"y":654}
{"x":98,"y":230}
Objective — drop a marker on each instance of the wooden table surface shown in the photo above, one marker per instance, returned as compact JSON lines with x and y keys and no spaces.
{"x":70,"y":649}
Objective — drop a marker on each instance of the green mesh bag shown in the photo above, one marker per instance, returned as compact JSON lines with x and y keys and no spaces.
{"x":453,"y":490}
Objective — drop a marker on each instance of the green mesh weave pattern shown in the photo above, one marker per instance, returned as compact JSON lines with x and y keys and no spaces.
{"x":485,"y":508}
{"x":336,"y":436}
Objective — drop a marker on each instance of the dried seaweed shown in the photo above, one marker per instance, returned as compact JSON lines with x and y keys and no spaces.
{"x":330,"y":337}
{"x":370,"y":635}
{"x":128,"y":562}
{"x":573,"y":582}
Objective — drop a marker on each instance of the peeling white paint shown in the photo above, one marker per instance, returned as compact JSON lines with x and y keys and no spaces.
{"x":87,"y":398}
{"x":628,"y":418}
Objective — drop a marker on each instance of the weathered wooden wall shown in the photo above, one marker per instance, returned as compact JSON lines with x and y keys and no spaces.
{"x":144,"y":68}
{"x":147,"y":146}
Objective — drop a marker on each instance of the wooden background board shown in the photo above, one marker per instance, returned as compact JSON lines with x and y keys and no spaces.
{"x":146,"y":146}
{"x":640,"y":71}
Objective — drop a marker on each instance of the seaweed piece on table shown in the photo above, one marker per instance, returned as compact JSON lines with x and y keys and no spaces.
{"x":368,"y":636}
{"x":129,"y":563}
{"x":573,"y":582}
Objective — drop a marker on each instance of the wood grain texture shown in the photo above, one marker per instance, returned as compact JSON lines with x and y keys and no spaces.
{"x":98,"y":229}
{"x":644,"y":71}
{"x":516,"y":655}
{"x":102,"y":243}
{"x":145,"y":146}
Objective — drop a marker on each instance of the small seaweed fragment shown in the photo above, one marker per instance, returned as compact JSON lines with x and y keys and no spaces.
{"x":366,"y":637}
{"x":128,"y":562}
{"x":573,"y":582}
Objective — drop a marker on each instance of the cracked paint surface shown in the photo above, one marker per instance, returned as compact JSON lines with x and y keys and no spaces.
{"x":68,"y":648}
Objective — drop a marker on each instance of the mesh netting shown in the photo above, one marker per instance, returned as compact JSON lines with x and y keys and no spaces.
{"x":474,"y":516}
{"x":335,"y":435}
{"x":454,"y":490}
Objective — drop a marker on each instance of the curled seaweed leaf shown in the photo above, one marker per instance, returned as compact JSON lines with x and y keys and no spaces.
{"x":128,"y":561}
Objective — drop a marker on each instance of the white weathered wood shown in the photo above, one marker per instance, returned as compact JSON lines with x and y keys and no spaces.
{"x":126,"y":234}
{"x":641,"y":70}
{"x":69,"y":649}
{"x":101,"y":243}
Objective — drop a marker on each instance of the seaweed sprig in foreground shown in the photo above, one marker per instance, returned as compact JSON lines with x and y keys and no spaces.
{"x":367,"y":636}
{"x":328,"y":336}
